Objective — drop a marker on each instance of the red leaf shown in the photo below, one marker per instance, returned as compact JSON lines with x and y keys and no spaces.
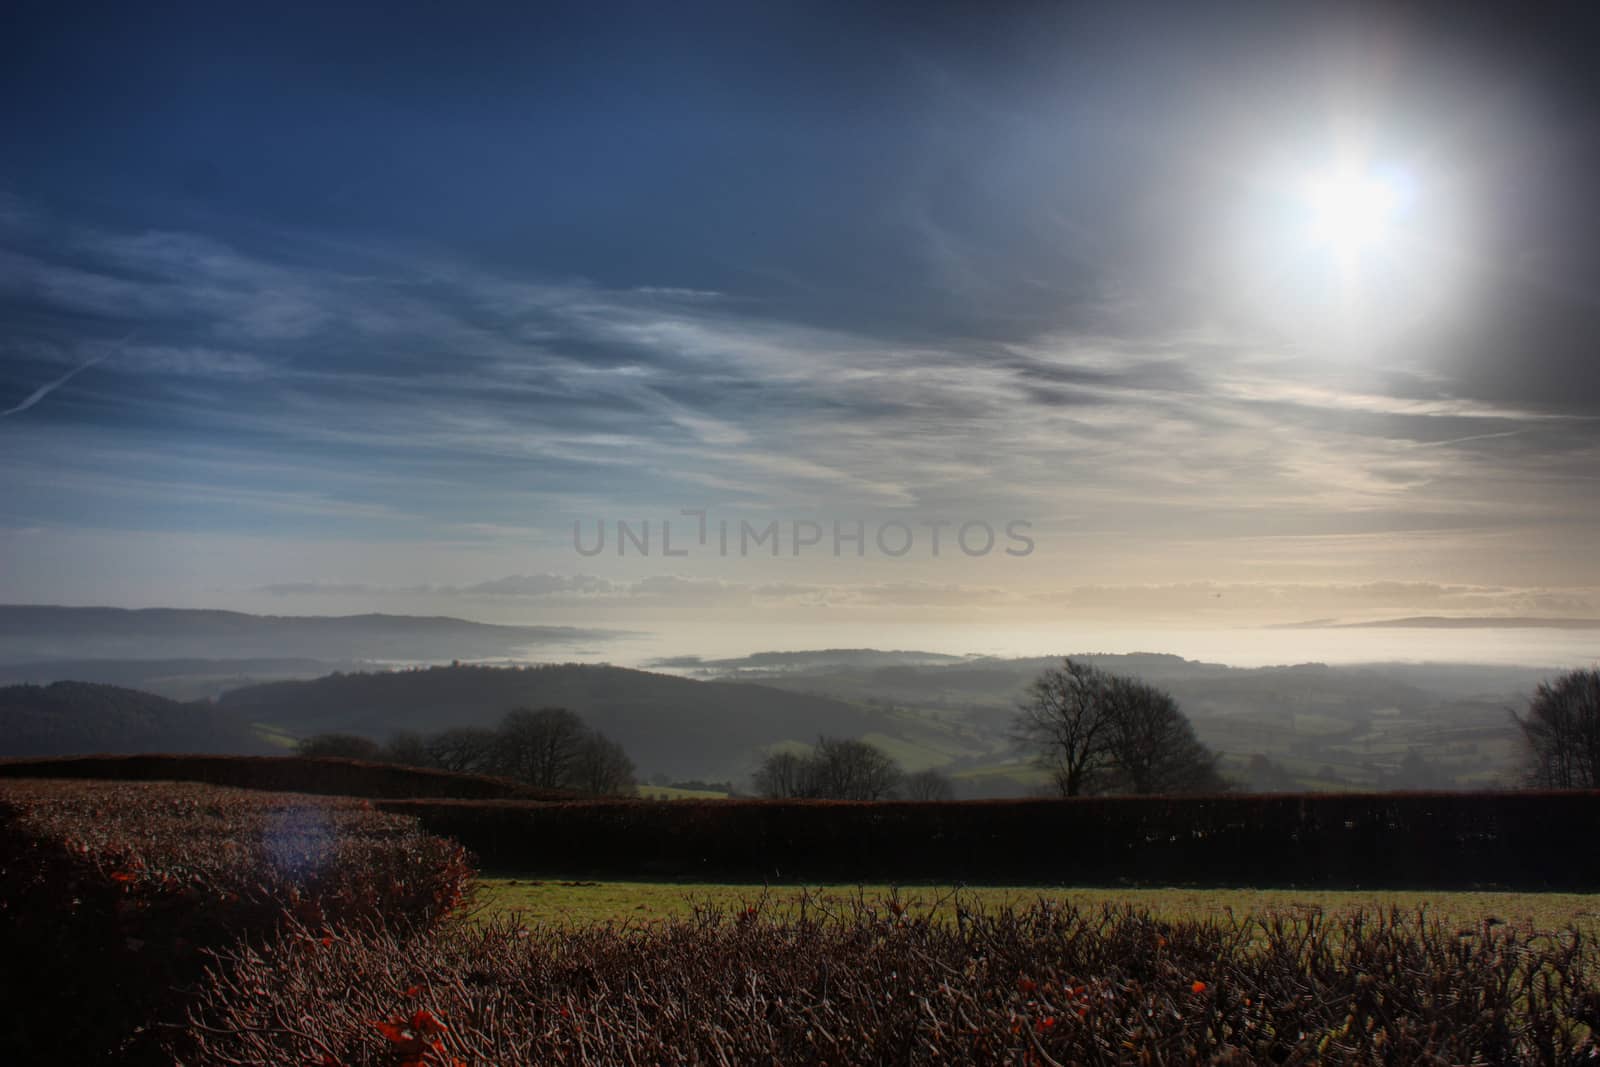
{"x":423,"y":1022}
{"x":393,"y":1031}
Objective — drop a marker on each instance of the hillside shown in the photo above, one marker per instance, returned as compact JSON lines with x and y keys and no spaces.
{"x":44,"y":632}
{"x":670,"y":725}
{"x":175,"y":679}
{"x":1326,"y":727}
{"x":75,"y":718}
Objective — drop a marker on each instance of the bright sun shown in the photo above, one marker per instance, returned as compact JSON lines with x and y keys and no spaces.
{"x":1352,"y":209}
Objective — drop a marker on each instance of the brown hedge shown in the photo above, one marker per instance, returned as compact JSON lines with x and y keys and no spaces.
{"x":111,"y":891}
{"x":326,"y":776}
{"x":873,"y":985}
{"x":1514,"y":840}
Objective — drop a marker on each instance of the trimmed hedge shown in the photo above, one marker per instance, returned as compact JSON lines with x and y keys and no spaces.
{"x":110,"y":893}
{"x":325,"y":776}
{"x":1532,"y":840}
{"x":879,"y":986}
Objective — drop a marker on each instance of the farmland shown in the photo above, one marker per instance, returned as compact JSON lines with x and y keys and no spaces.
{"x":572,"y":903}
{"x":871,"y":984}
{"x":197,"y":923}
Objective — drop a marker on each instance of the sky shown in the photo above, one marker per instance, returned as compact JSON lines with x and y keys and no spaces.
{"x":1198,"y":316}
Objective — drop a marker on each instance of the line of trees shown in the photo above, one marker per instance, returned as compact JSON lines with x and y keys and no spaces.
{"x":1094,"y":732}
{"x":551,"y":748}
{"x":1097,"y":732}
{"x":846,"y":769}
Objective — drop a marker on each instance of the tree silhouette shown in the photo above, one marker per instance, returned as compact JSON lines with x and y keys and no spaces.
{"x":539,"y":747}
{"x":1100,"y":732}
{"x":1152,"y":744}
{"x":929,"y":785}
{"x":784,"y":775}
{"x":836,"y":769}
{"x":1067,"y":716}
{"x":1562,"y":732}
{"x":602,"y":768}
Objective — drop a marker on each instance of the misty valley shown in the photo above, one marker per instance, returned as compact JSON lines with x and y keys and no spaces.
{"x":810,"y":534}
{"x":1277,"y":729}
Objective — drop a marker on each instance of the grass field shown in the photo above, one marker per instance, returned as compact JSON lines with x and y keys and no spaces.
{"x":669,"y":792}
{"x":566,"y":903}
{"x":272,"y":735}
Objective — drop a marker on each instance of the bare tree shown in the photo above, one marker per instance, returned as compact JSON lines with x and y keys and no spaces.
{"x":851,"y":769}
{"x":602,"y":768}
{"x":836,"y":769}
{"x":1153,"y":747}
{"x":539,"y":747}
{"x":464,"y":749}
{"x":929,"y":785}
{"x":551,"y":748}
{"x":1562,"y":732}
{"x":1067,"y":716}
{"x":408,"y":748}
{"x":784,"y":775}
{"x":1098,"y":732}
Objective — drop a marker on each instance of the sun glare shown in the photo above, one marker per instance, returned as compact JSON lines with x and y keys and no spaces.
{"x":1352,"y":209}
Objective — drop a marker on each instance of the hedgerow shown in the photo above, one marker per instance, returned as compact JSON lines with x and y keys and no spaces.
{"x":326,"y":776}
{"x":110,"y":892}
{"x":872,"y":985}
{"x":1426,"y":840}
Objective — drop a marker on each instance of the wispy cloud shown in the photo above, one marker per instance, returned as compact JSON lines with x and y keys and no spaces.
{"x":416,"y":396}
{"x":51,"y":386}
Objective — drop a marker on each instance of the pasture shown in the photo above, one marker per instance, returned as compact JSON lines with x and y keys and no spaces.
{"x":571,"y":903}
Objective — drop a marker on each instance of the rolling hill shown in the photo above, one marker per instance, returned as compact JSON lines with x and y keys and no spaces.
{"x":79,"y":718}
{"x":175,"y":679}
{"x":1328,"y":726}
{"x":677,"y":726}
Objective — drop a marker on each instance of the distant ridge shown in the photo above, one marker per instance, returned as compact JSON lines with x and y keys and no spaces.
{"x":837,"y":657}
{"x":46,"y":632}
{"x":666,"y":723}
{"x":1449,"y":622}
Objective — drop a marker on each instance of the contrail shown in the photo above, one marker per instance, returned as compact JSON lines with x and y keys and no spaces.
{"x":49,"y":387}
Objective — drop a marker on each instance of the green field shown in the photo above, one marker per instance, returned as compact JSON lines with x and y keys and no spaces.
{"x":567,"y":903}
{"x":274,"y":736}
{"x":671,"y":792}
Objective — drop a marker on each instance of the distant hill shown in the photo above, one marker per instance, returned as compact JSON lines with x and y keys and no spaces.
{"x":77,"y":718}
{"x":1329,"y":726}
{"x":806,"y":661}
{"x":175,"y":679}
{"x":1448,"y":622}
{"x":44,"y":632}
{"x":670,"y":725}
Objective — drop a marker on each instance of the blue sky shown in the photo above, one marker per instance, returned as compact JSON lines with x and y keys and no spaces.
{"x":311,"y":311}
